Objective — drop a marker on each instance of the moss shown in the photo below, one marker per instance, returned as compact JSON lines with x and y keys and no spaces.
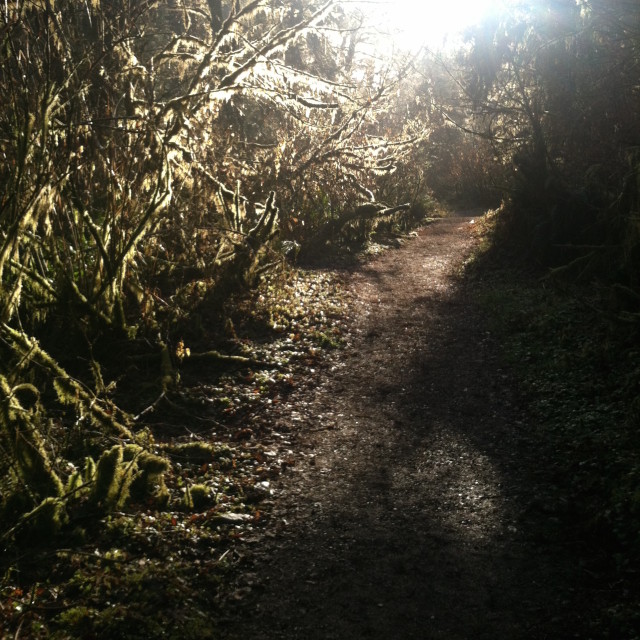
{"x":107,"y":486}
{"x":42,"y":523}
{"x":148,"y":482}
{"x":130,"y":452}
{"x":325,"y":341}
{"x":78,"y":619}
{"x":153,"y":465}
{"x":197,"y":496}
{"x":200,"y":495}
{"x":32,"y":458}
{"x":89,"y":469}
{"x":14,"y":505}
{"x":74,"y":483}
{"x":167,"y":373}
{"x":20,"y":434}
{"x":128,"y":472}
{"x":192,"y":452}
{"x":66,"y":390}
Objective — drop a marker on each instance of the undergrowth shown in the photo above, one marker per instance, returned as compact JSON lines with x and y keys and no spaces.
{"x":123,"y":564}
{"x":577,"y":368}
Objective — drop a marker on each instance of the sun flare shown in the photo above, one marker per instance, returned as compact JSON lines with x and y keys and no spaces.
{"x":432,"y":23}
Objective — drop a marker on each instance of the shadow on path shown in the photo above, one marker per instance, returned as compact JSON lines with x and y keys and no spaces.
{"x":409,"y":515}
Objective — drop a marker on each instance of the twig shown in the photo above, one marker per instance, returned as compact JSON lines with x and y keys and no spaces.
{"x":151,"y":407}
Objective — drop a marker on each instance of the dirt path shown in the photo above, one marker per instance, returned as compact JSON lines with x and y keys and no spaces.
{"x":413,"y":510}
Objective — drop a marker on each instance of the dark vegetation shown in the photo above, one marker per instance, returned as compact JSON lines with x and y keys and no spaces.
{"x":164,"y":163}
{"x":578,"y":372}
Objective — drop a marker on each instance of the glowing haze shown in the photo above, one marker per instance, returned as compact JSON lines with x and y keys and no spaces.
{"x":431,"y":23}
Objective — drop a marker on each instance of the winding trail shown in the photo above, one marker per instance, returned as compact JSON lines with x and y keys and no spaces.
{"x":411,"y":514}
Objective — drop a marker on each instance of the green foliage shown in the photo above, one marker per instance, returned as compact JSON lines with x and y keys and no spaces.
{"x":580,"y":377}
{"x":553,"y":89}
{"x":577,"y":372}
{"x":326,"y":341}
{"x":151,"y":585}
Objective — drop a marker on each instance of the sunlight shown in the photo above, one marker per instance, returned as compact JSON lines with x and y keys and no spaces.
{"x":436,"y":24}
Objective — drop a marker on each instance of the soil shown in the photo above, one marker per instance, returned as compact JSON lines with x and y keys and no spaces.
{"x":418,"y":505}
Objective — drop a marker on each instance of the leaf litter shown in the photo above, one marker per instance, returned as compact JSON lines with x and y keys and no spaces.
{"x":140,"y":572}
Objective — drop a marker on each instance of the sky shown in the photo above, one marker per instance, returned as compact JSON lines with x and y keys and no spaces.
{"x":433,"y":23}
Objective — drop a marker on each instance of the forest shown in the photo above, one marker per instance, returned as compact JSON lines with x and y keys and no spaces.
{"x":174,"y":176}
